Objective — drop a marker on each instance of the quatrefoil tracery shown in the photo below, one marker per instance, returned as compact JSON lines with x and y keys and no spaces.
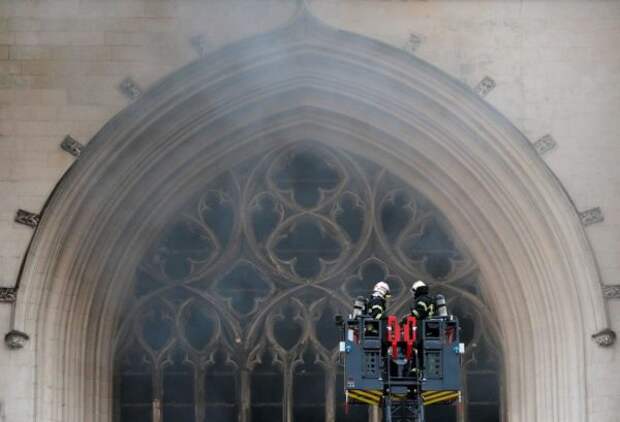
{"x":306,"y":235}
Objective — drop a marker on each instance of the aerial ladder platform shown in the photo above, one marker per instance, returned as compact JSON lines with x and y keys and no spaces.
{"x":401,"y":365}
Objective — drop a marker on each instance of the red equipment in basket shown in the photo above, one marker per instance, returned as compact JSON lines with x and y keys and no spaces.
{"x":410,"y":331}
{"x":405,"y":334}
{"x":393,"y":334}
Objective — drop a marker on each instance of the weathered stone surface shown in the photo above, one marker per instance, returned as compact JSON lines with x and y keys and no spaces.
{"x":555,"y":66}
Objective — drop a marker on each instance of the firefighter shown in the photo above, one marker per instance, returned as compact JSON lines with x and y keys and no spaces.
{"x":377,"y":300}
{"x":424,"y":305}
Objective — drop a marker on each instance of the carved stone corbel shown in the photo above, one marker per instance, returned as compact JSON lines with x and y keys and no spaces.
{"x":8,"y":294}
{"x":605,"y":338}
{"x":16,"y":339}
{"x":611,"y":291}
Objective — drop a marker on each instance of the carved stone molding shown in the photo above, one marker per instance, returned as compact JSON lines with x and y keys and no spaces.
{"x":544,"y":144}
{"x":16,"y":339}
{"x":130,"y":89}
{"x":605,"y":338}
{"x":486,"y":85}
{"x":612,"y":291}
{"x":8,"y":294}
{"x":591,"y":216}
{"x":27,"y":218}
{"x":70,"y":145}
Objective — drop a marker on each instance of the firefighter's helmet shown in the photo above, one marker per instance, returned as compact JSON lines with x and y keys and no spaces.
{"x":382,"y":289}
{"x":419,"y":288}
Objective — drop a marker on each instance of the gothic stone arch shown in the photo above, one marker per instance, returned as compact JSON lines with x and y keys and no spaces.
{"x":307,"y":81}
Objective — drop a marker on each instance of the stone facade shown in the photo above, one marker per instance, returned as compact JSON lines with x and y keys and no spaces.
{"x":556,"y":70}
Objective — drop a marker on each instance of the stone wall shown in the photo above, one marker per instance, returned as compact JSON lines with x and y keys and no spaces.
{"x":556,"y":66}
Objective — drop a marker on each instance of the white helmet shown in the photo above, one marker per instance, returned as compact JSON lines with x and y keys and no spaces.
{"x":382,"y":289}
{"x":419,"y":286}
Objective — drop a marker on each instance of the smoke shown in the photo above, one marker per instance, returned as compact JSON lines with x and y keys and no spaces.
{"x":211,"y":315}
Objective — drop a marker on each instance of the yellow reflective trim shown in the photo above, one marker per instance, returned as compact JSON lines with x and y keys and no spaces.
{"x":439,"y":396}
{"x":448,"y":396}
{"x":363,"y":399}
{"x":368,"y":393}
{"x":438,"y":399}
{"x":427,"y":394}
{"x":435,"y":394}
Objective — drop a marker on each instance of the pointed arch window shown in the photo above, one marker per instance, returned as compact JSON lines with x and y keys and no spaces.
{"x":230,"y":316}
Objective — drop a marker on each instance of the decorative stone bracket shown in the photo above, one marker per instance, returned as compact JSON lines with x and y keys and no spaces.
{"x":413,"y":42}
{"x":486,"y":85}
{"x":545,"y":144}
{"x":27,"y":218}
{"x":130,"y":89}
{"x":605,"y":338}
{"x":591,"y":216}
{"x":72,"y":146}
{"x":8,"y":294}
{"x":611,"y":291}
{"x":15,"y":339}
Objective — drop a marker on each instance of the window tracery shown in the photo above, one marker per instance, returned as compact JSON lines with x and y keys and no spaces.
{"x":231,"y":312}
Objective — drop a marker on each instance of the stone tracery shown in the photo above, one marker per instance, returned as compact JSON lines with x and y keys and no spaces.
{"x":299,"y":233}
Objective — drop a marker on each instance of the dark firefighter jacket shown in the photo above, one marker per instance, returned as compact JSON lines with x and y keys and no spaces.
{"x":424,"y":306}
{"x":376,"y":306}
